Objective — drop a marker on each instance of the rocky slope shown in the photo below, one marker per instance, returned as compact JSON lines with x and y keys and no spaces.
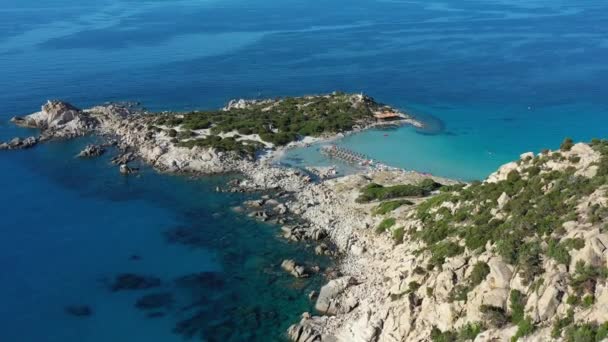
{"x":523,"y":255}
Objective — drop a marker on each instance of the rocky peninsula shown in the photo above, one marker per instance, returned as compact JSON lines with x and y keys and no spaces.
{"x":522,"y":255}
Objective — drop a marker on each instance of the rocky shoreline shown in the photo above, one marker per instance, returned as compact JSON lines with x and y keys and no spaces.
{"x":295,"y":197}
{"x":402,"y":274}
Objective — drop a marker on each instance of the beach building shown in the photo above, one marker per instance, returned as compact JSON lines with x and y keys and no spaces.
{"x":386,"y":115}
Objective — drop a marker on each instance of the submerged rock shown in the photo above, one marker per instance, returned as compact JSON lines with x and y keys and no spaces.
{"x":130,"y":281}
{"x":201,"y":280}
{"x":79,"y":310}
{"x":155,"y":301}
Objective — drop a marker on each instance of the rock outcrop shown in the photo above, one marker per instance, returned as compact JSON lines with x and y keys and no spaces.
{"x":406,"y":292}
{"x":91,"y":151}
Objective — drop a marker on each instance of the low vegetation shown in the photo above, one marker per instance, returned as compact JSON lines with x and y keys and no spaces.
{"x":373,"y":191}
{"x":518,"y":234}
{"x":524,"y":219}
{"x":478,"y":274}
{"x":278,"y":121}
{"x":387,"y":207}
{"x":385,"y":224}
{"x":466,"y":333}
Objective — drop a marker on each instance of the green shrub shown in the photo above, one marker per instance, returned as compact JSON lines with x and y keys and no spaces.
{"x":495,"y":316}
{"x":439,"y":336}
{"x":245,"y":131}
{"x":581,"y":333}
{"x":172,"y":133}
{"x":573,"y":300}
{"x":385,"y":224}
{"x":389,"y":206}
{"x":566,"y":144}
{"x":467,"y":332}
{"x":375,"y":191}
{"x":517,"y":303}
{"x":443,"y":250}
{"x":558,"y":252}
{"x":459,"y":292}
{"x":602,"y":332}
{"x":470,"y":331}
{"x":398,"y":234}
{"x":588,"y":301}
{"x":185,"y":134}
{"x":561,"y":323}
{"x":524,"y":328}
{"x":479,"y":273}
{"x":529,"y":260}
{"x":586,"y":276}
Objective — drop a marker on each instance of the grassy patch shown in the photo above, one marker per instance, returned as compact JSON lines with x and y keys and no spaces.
{"x":385,"y":224}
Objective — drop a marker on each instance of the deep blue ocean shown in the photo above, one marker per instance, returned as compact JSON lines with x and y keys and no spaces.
{"x":492,"y":78}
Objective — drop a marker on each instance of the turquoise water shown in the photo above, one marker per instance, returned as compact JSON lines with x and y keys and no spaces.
{"x":495,"y":78}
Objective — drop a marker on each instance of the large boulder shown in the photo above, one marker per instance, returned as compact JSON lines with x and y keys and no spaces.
{"x":294,"y":269}
{"x":365,"y":329}
{"x":328,"y":301}
{"x":308,"y":330}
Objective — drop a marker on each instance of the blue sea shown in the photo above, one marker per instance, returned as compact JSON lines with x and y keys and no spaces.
{"x":491,"y":78}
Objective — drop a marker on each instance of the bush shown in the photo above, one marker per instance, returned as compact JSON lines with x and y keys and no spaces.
{"x":588,"y":301}
{"x":439,"y":336}
{"x":375,"y":191}
{"x":566,"y":144}
{"x":467,"y":332}
{"x":517,"y":302}
{"x":398,"y":235}
{"x":586,"y":276}
{"x":560,"y":251}
{"x":529,"y":260}
{"x":561,"y":323}
{"x":185,"y":134}
{"x":524,"y":328}
{"x":470,"y":331}
{"x":389,"y":206}
{"x":495,"y":316}
{"x":172,"y":133}
{"x":385,"y":224}
{"x":443,"y":250}
{"x":245,"y":131}
{"x":479,"y":273}
{"x":581,"y":333}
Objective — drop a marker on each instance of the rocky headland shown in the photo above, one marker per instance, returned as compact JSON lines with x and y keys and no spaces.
{"x":521,"y":255}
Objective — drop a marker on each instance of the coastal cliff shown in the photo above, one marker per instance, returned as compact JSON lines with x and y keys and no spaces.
{"x":520,"y":256}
